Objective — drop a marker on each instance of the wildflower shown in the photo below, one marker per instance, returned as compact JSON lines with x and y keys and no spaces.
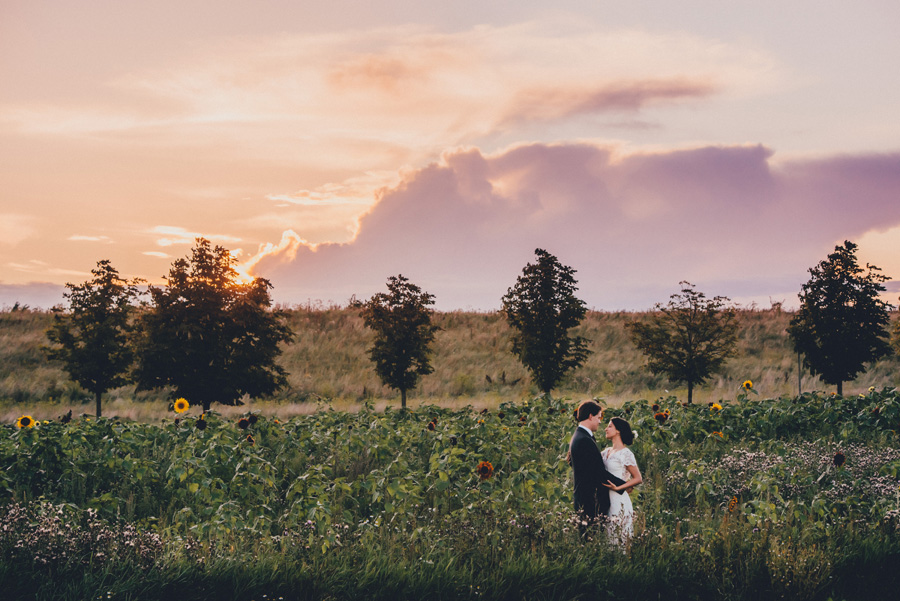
{"x":26,"y":421}
{"x":838,"y":459}
{"x":181,"y":405}
{"x":715,"y":407}
{"x":661,"y":417}
{"x":871,"y":389}
{"x":747,"y":385}
{"x":243,"y":423}
{"x":485,"y":470}
{"x":481,"y":421}
{"x":717,"y":433}
{"x":732,"y":504}
{"x":251,"y":440}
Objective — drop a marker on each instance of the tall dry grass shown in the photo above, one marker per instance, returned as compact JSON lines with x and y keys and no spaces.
{"x":327,"y":361}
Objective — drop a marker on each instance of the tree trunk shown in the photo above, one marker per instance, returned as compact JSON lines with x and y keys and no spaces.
{"x":840,"y":388}
{"x":690,"y":392}
{"x":403,"y":398}
{"x":97,"y":396}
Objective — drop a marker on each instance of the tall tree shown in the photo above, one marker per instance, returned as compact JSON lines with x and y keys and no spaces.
{"x":841,"y":323}
{"x":688,"y":339}
{"x":401,"y":319}
{"x":542,"y":308}
{"x":208,"y":335}
{"x":91,"y":338}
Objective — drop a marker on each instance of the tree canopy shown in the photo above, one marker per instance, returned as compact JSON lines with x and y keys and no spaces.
{"x":542,"y":308}
{"x":92,"y":338}
{"x":841,"y":324}
{"x":689,"y":338}
{"x":402,"y":321}
{"x":209,"y":335}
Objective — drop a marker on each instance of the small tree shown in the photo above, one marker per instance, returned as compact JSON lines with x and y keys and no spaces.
{"x":210,"y":336}
{"x":841,"y":323}
{"x":542,"y":308}
{"x":688,"y":339}
{"x":91,"y":339}
{"x":401,"y":319}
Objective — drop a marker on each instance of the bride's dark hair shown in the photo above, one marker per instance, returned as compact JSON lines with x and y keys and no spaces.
{"x":624,"y":430}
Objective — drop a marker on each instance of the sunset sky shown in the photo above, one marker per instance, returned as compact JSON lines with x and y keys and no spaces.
{"x":332,"y":144}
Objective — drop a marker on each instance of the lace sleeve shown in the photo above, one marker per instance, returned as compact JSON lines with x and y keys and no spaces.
{"x":628,"y":458}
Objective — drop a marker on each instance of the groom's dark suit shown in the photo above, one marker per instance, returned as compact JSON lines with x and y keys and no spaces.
{"x":591,"y":496}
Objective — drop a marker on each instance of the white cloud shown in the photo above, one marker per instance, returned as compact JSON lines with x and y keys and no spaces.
{"x":83,"y":238}
{"x":173,"y":235}
{"x":15,"y":228}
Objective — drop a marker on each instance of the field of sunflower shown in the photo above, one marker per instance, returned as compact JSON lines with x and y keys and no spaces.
{"x":795,"y":497}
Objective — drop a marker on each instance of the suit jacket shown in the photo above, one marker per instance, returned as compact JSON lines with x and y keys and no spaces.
{"x":591,"y":496}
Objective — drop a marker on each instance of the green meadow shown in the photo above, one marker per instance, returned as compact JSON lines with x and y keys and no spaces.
{"x":329,"y":491}
{"x":789,"y":498}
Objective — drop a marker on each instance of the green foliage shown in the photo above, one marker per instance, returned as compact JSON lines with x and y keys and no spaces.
{"x":542,"y":308}
{"x":738,"y":502}
{"x":91,"y":340}
{"x":208,"y":335}
{"x":841,"y":323}
{"x":688,"y":339}
{"x":404,"y":332}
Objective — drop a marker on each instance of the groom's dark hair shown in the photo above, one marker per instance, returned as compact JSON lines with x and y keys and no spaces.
{"x":586,"y":409}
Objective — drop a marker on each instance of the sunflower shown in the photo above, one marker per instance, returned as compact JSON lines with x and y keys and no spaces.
{"x":250,"y":440}
{"x":661,"y":417}
{"x":838,"y":459}
{"x":485,"y":470}
{"x":200,"y":424}
{"x":747,"y":385}
{"x":181,"y":405}
{"x":26,"y":421}
{"x":430,"y":426}
{"x":732,"y":504}
{"x":654,"y":408}
{"x":715,"y":407}
{"x":252,"y":418}
{"x":243,"y":423}
{"x":717,"y":433}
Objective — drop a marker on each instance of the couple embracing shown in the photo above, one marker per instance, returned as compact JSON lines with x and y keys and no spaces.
{"x":602,"y":480}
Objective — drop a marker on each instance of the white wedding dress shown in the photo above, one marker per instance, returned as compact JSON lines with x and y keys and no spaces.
{"x":621,"y":513}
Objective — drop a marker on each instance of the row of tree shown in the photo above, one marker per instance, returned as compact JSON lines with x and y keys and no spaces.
{"x":211,"y":337}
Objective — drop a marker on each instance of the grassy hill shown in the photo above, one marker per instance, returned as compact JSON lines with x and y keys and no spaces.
{"x":472,"y":363}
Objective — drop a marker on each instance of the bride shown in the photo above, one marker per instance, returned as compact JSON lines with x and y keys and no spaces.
{"x":620,"y":462}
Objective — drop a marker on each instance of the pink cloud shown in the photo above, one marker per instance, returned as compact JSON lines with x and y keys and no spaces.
{"x":722,"y":217}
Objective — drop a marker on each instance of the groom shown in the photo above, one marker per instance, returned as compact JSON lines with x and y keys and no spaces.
{"x":591,"y":497}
